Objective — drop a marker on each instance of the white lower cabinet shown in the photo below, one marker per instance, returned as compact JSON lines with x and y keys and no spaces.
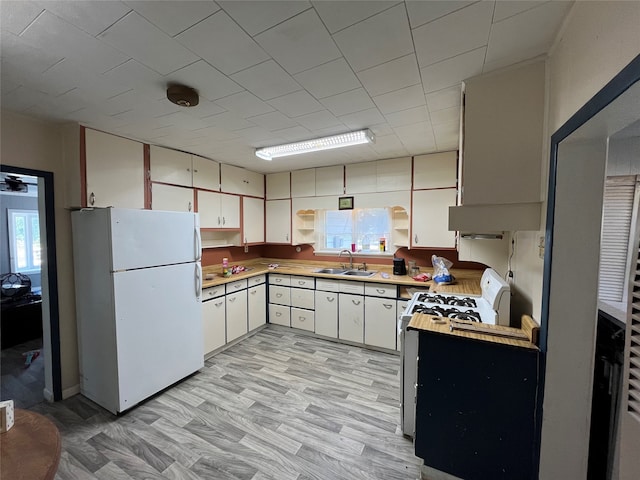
{"x":380,"y":322}
{"x":213,"y":321}
{"x":279,"y":315}
{"x":236,"y":304}
{"x":351,"y":317}
{"x":326,"y":321}
{"x":302,"y":318}
{"x":257,"y":306}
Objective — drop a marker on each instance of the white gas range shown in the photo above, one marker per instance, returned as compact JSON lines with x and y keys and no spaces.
{"x":492,"y":307}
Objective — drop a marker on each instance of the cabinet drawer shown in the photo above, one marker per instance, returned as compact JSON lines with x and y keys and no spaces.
{"x":303,"y":282}
{"x":212,"y":292}
{"x":351,"y":287}
{"x":302,"y":298}
{"x":279,"y":315}
{"x":303,"y":319}
{"x":279,"y":295}
{"x":380,"y":290}
{"x":257,"y":280}
{"x":237,"y":285}
{"x":276,"y":279}
{"x":327,"y":285}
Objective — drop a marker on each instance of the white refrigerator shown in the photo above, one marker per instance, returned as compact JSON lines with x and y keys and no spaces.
{"x":138,"y":285}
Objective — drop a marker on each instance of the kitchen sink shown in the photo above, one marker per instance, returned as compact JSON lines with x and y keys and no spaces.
{"x":332,"y":271}
{"x":359,"y":273}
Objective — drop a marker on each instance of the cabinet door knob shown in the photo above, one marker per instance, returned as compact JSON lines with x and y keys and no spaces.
{"x":92,"y":199}
{"x":223,"y":222}
{"x":189,"y":207}
{"x":356,"y":302}
{"x":286,"y":237}
{"x":331,"y":299}
{"x":218,"y":304}
{"x":253,"y":292}
{"x":415,"y":239}
{"x":218,"y":220}
{"x":302,"y":319}
{"x":380,"y":290}
{"x":301,"y":282}
{"x":278,"y":295}
{"x":387,"y":306}
{"x":278,"y":314}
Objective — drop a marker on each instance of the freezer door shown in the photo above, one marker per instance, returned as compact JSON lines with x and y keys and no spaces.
{"x":149,"y":238}
{"x":158,"y":329}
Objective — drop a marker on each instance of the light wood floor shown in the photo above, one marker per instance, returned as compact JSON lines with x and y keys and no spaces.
{"x":279,"y":405}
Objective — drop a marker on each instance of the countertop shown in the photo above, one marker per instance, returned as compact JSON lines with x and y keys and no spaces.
{"x":467,"y":281}
{"x":441,"y":325}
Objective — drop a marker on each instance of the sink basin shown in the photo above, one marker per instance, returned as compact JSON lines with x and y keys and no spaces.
{"x":332,"y":271}
{"x":359,"y":273}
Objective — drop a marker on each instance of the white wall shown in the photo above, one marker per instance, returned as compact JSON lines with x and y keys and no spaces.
{"x":598,"y":40}
{"x":30,"y":143}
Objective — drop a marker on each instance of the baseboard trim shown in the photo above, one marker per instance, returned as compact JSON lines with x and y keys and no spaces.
{"x":71,"y":391}
{"x":47,"y":394}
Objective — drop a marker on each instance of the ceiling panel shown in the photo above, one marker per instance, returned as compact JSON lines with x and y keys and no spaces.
{"x":376,"y":40}
{"x":266,"y":71}
{"x":299,"y":43}
{"x":222,"y":43}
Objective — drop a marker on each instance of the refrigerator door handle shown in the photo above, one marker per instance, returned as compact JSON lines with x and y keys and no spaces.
{"x":198,"y":244}
{"x":198,"y":280}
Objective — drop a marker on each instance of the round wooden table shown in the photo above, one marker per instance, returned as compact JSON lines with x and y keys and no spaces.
{"x":30,"y":450}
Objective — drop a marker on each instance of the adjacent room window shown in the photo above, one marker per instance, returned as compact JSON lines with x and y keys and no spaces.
{"x":361,"y":226}
{"x":24,"y":240}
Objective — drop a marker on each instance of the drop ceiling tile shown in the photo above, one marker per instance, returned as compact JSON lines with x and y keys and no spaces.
{"x":206,"y":108}
{"x":337,"y":15}
{"x":525,"y":35}
{"x":66,"y":75}
{"x":445,"y":98}
{"x":209,"y":82}
{"x":15,"y":50}
{"x":145,"y":42}
{"x":257,"y":16}
{"x":447,"y":136}
{"x":22,"y":98}
{"x":393,"y":75}
{"x":273,"y":121}
{"x":421,"y":12}
{"x":15,"y":16}
{"x":348,"y":102}
{"x":254,"y":135}
{"x":228,"y":121}
{"x":133,"y":74}
{"x":407,"y":117}
{"x":171,"y":16}
{"x":244,"y":104}
{"x":222,"y":43}
{"x":319,"y":120}
{"x":92,"y":17}
{"x":376,"y":40}
{"x":382,"y":129}
{"x":389,"y":146}
{"x":187,"y":122}
{"x":442,"y":38}
{"x":417,"y":137}
{"x":365,"y":119}
{"x":329,"y":79}
{"x":217,"y":134}
{"x":58,"y":37}
{"x":508,"y":9}
{"x":267,"y":80}
{"x":402,"y":99}
{"x":452,"y":71}
{"x":300,"y":43}
{"x":445,"y":116}
{"x":294,"y":134}
{"x":296,"y":104}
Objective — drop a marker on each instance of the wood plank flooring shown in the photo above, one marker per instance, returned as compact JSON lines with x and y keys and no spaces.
{"x":279,"y":405}
{"x":20,"y":382}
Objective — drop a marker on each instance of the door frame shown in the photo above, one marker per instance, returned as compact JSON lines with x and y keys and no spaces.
{"x":52,"y":273}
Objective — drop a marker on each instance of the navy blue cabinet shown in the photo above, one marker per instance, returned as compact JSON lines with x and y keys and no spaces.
{"x":476,"y":407}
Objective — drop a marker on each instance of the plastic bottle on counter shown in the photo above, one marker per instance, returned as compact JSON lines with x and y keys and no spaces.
{"x":383,"y":244}
{"x":225,"y":267}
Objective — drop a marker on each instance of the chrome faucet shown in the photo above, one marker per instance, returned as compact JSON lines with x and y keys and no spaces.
{"x":350,"y":258}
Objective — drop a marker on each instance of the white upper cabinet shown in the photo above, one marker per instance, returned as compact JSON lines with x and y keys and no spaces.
{"x":241,"y":181}
{"x":303,"y":183}
{"x":502,"y":138}
{"x":170,"y":166}
{"x":436,"y":170}
{"x":172,"y":198}
{"x":430,"y":222}
{"x":252,"y":220}
{"x":114,"y":171}
{"x":278,"y":221}
{"x":218,"y":210}
{"x":380,"y":176}
{"x":278,"y":186}
{"x":330,"y":180}
{"x":206,"y":173}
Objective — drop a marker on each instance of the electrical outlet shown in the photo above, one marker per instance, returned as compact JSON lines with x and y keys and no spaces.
{"x":541,"y":247}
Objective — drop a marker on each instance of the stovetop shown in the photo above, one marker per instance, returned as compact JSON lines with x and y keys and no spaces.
{"x":455,"y":300}
{"x":451,"y":312}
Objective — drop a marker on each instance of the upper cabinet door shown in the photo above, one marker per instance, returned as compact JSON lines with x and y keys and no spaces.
{"x":360,"y":178}
{"x":393,"y":175}
{"x":278,"y":186}
{"x":241,"y":181}
{"x":436,"y":170}
{"x":330,"y":180}
{"x":114,"y":171}
{"x":303,"y":183}
{"x":278,"y":221}
{"x":230,"y":211}
{"x":209,"y":206}
{"x":172,"y":198}
{"x":170,"y":166}
{"x":430,"y":218}
{"x":252,"y":220}
{"x":206,"y":173}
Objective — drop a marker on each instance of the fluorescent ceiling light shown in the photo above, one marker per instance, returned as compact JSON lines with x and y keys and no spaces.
{"x":316,"y":144}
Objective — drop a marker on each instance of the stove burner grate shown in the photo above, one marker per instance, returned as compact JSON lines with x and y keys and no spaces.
{"x":447,"y":300}
{"x":438,"y":311}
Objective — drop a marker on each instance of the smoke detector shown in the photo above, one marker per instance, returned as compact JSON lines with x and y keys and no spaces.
{"x":182,"y":95}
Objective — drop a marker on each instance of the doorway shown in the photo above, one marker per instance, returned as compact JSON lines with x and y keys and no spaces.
{"x":30,"y":363}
